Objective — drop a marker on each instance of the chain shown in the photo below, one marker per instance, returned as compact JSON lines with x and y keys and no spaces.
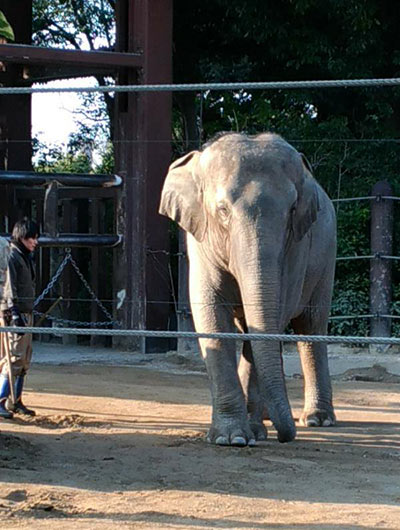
{"x":88,"y":288}
{"x":68,"y":258}
{"x":55,"y":278}
{"x":57,"y":320}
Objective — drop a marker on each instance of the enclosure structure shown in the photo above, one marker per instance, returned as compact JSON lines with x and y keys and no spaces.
{"x":142,"y":153}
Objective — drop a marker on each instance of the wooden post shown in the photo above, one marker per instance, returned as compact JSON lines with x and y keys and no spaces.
{"x":98,"y":269}
{"x":15,"y":109}
{"x":69,"y":277}
{"x":381,"y":268}
{"x":142,"y":147}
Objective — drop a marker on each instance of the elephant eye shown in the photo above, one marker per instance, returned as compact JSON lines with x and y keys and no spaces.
{"x":223,"y":211}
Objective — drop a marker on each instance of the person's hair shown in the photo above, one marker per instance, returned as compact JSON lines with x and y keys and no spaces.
{"x":24,"y":229}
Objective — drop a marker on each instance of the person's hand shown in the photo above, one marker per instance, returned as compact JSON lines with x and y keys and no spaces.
{"x":6,"y":315}
{"x":16,"y":318}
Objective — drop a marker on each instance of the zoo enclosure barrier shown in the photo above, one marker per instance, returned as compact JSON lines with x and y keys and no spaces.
{"x":285,"y":338}
{"x":378,"y":255}
{"x":66,"y":205}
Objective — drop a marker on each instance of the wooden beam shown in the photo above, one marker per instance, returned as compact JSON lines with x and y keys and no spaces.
{"x":22,"y":54}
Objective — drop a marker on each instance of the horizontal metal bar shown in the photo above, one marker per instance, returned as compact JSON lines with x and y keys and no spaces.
{"x":327,"y":339}
{"x":77,"y":240}
{"x":80,"y":240}
{"x":198,"y":87}
{"x":64,"y":192}
{"x":30,"y":178}
{"x":373,"y":256}
{"x":24,"y":54}
{"x":368,"y":198}
{"x":348,"y":258}
{"x":350,"y":317}
{"x":352,"y":199}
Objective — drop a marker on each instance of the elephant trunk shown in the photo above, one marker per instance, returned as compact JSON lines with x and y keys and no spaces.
{"x":260,"y":285}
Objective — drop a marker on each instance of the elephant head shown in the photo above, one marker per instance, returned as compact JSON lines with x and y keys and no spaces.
{"x":201,"y":187}
{"x":247,"y":201}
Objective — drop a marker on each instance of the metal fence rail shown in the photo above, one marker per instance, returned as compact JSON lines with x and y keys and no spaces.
{"x":333,"y":339}
{"x":268,"y":85}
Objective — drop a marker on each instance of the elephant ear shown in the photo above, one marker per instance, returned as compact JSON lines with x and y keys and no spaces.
{"x":181,"y":197}
{"x":307,"y":206}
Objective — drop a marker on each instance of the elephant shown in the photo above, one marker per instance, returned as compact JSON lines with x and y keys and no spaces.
{"x":261,"y":242}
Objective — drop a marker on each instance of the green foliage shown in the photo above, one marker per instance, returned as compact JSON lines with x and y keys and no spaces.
{"x":106,"y":166}
{"x":351,"y":298}
{"x":350,"y":135}
{"x":55,"y":160}
{"x":73,"y":23}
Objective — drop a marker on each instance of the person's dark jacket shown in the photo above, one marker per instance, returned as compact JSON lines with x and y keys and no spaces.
{"x":19,"y":289}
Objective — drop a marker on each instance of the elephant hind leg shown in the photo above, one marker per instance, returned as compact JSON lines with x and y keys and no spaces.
{"x":318,"y":408}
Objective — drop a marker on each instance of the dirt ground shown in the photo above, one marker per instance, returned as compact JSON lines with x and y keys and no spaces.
{"x":122,"y":445}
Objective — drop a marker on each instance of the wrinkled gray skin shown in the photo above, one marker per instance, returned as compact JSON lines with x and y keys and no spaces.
{"x":261,"y":241}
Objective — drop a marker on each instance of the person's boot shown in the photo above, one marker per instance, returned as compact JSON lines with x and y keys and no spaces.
{"x":4,"y":393}
{"x":19,"y":407}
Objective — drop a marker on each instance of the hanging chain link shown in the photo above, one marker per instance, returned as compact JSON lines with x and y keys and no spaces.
{"x":76,"y":323}
{"x":68,"y":258}
{"x":55,"y":278}
{"x":88,"y":288}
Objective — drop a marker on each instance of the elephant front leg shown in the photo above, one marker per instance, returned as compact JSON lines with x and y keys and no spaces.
{"x":230,"y":424}
{"x":213,"y":294}
{"x":255,"y":406}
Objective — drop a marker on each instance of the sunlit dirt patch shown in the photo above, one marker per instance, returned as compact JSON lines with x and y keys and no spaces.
{"x":65,"y":421}
{"x":375,"y":374}
{"x":40,"y":505}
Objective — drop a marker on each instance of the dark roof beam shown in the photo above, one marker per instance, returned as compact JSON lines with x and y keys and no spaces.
{"x":22,"y":54}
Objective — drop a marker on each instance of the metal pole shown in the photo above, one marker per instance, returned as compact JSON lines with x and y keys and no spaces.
{"x":381,"y":269}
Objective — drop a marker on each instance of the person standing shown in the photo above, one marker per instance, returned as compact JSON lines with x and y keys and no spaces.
{"x":17,"y":310}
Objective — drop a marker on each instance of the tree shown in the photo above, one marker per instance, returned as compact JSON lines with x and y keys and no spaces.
{"x":88,"y":25}
{"x":348,"y":134}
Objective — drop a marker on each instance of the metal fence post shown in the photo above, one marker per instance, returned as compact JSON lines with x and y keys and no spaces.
{"x":381,"y":268}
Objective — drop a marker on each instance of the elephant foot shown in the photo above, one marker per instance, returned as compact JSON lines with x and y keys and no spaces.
{"x":237,"y":437}
{"x":318,"y":418}
{"x":259,"y":430}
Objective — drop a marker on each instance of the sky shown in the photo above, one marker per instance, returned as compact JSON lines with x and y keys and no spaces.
{"x":52,"y":113}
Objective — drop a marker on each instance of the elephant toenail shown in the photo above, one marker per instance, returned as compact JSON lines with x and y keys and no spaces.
{"x":239,"y":440}
{"x":222,"y":440}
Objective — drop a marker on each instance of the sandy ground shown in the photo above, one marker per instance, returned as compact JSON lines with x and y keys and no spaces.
{"x":118,"y":442}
